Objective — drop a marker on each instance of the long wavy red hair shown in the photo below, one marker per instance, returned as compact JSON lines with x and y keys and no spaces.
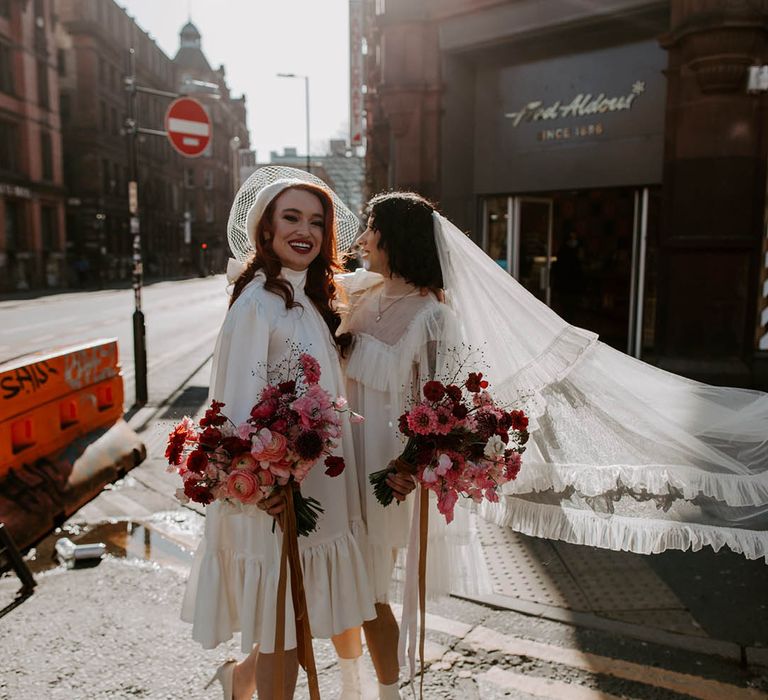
{"x":319,"y":286}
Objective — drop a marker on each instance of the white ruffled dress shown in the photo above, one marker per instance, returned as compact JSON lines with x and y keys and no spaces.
{"x":415,"y":340}
{"x":233,"y":582}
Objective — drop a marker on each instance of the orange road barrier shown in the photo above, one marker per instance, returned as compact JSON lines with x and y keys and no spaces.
{"x":48,"y":400}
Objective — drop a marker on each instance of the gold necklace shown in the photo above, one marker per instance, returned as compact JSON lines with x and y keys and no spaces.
{"x":390,"y":305}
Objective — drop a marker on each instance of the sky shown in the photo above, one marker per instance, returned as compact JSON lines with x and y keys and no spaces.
{"x":255,"y":40}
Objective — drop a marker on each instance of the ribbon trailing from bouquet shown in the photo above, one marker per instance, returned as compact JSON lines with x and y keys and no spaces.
{"x":290,"y":559}
{"x":415,"y":585}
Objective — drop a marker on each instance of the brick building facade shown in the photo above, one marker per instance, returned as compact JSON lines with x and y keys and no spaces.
{"x":32,"y":239}
{"x":607,"y":154}
{"x":94,"y":38}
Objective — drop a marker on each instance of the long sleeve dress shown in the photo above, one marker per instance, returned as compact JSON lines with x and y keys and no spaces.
{"x":414,"y":340}
{"x":233,"y":582}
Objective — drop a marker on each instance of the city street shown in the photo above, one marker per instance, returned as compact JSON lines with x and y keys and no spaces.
{"x":182,"y":319}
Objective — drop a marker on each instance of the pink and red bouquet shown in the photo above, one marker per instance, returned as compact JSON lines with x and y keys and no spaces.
{"x":292,"y":426}
{"x":460,"y":443}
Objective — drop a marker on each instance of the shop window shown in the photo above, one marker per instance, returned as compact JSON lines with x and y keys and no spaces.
{"x":48,"y":228}
{"x":46,"y":154}
{"x":9,"y":147}
{"x":6,"y":69}
{"x":43,"y":93}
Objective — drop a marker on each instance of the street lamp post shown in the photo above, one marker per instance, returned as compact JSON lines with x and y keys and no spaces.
{"x":306,"y":104}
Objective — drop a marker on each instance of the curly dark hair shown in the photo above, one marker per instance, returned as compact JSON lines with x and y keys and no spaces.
{"x":319,"y":286}
{"x":404,"y":220}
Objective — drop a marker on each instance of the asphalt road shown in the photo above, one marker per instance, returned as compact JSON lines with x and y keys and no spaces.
{"x":182,"y":319}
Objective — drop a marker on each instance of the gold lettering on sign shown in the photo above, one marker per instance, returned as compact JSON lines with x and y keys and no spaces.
{"x":583,"y":105}
{"x":567,"y":133}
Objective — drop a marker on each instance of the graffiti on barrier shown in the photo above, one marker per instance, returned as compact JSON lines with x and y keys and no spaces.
{"x":89,"y":366}
{"x":28,"y":379}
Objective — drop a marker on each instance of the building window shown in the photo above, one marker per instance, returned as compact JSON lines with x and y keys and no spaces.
{"x":112,"y":78}
{"x":43,"y":93}
{"x":106,"y":176}
{"x":114,"y":122}
{"x":9,"y":147}
{"x":189,"y":178}
{"x":46,"y":153}
{"x":103,"y":108}
{"x":102,"y":68}
{"x":6,"y":69}
{"x":208,"y":179}
{"x":61,"y":62}
{"x":48,"y":228}
{"x":14,"y":230}
{"x":209,"y":213}
{"x":64,"y":108}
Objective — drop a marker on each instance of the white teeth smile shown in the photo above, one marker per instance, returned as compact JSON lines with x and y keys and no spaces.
{"x":301,"y":246}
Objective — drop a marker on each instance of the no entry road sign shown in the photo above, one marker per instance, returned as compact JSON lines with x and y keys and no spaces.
{"x":188,"y":126}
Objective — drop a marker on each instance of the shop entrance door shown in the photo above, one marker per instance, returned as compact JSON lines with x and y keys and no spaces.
{"x":518,"y":236}
{"x":585,"y":253}
{"x":532,"y":245}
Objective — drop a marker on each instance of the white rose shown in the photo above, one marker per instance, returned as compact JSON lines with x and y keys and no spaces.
{"x":494,"y":447}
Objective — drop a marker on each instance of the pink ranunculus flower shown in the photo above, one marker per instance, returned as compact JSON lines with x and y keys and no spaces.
{"x":356,"y":417}
{"x":271,"y":447}
{"x":244,"y":461}
{"x":243,"y":485}
{"x":340,"y":403}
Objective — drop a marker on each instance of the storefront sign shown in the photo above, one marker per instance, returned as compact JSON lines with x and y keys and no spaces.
{"x":15,"y":191}
{"x":580,"y":106}
{"x":591,"y":118}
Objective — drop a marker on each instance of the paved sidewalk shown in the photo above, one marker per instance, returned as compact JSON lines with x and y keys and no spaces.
{"x":707,"y":601}
{"x":563,"y":621}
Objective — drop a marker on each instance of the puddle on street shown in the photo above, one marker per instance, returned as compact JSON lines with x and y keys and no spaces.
{"x":124,"y":539}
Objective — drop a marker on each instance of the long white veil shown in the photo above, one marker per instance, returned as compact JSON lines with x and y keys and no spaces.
{"x":622,"y":455}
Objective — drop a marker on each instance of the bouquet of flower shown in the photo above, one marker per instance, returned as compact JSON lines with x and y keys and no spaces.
{"x":460,"y":443}
{"x":294,"y":423}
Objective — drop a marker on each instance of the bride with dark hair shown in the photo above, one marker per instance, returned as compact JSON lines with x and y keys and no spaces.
{"x":622,"y":455}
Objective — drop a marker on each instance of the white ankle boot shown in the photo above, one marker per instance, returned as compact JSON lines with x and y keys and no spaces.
{"x":389,"y":692}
